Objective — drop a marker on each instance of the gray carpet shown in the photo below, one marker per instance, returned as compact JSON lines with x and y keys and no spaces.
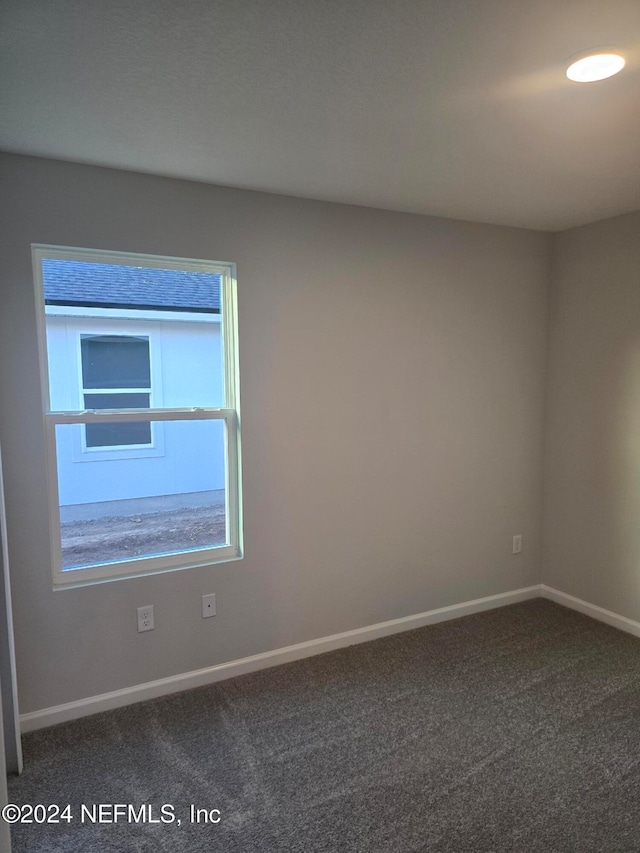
{"x":512,"y":730}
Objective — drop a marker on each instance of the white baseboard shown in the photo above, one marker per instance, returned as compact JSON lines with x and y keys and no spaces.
{"x":599,"y":613}
{"x":198,"y":678}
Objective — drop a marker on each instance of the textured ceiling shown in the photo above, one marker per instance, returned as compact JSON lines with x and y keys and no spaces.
{"x":449,"y":107}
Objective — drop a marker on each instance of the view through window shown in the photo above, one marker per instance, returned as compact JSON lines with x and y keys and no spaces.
{"x":141,"y":411}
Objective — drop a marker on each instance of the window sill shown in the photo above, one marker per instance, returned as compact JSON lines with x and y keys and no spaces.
{"x":144,"y":566}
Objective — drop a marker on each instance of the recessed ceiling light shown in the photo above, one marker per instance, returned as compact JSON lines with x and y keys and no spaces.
{"x":597,"y":66}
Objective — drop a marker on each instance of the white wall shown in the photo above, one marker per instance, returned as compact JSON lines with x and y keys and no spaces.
{"x":592,"y":489}
{"x":392,"y":384}
{"x":186,"y":370}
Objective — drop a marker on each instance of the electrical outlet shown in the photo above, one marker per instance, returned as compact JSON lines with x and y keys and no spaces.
{"x":145,"y":618}
{"x":517,"y":544}
{"x":208,"y":605}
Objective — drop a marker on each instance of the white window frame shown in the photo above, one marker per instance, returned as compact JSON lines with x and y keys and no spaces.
{"x":229,"y":413}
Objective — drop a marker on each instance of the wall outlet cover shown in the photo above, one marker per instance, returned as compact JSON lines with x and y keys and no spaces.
{"x":145,"y":618}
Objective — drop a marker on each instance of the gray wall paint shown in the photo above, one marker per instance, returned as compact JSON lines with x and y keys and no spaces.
{"x":592,"y":484}
{"x":392,"y":370}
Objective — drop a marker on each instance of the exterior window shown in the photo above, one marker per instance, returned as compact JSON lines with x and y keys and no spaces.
{"x":141,"y":406}
{"x":116,"y":374}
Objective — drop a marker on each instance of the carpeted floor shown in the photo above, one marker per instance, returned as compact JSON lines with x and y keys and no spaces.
{"x":512,"y":730}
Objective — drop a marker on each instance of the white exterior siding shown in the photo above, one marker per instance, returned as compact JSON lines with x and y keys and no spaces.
{"x":186,"y":370}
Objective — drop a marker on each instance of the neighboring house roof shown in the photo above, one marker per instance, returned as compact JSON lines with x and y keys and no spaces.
{"x":81,"y":284}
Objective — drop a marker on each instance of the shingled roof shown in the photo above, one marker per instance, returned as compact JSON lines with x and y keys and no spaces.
{"x":81,"y":284}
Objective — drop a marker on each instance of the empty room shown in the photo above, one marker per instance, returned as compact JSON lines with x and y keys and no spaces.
{"x":320,"y":426}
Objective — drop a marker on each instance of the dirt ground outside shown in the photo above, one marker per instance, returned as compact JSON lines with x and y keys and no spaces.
{"x":101,"y":540}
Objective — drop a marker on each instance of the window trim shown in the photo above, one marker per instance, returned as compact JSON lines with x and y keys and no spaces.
{"x":229,"y":413}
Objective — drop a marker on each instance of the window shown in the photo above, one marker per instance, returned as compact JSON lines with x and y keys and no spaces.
{"x":116,"y":374}
{"x":140,"y":394}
